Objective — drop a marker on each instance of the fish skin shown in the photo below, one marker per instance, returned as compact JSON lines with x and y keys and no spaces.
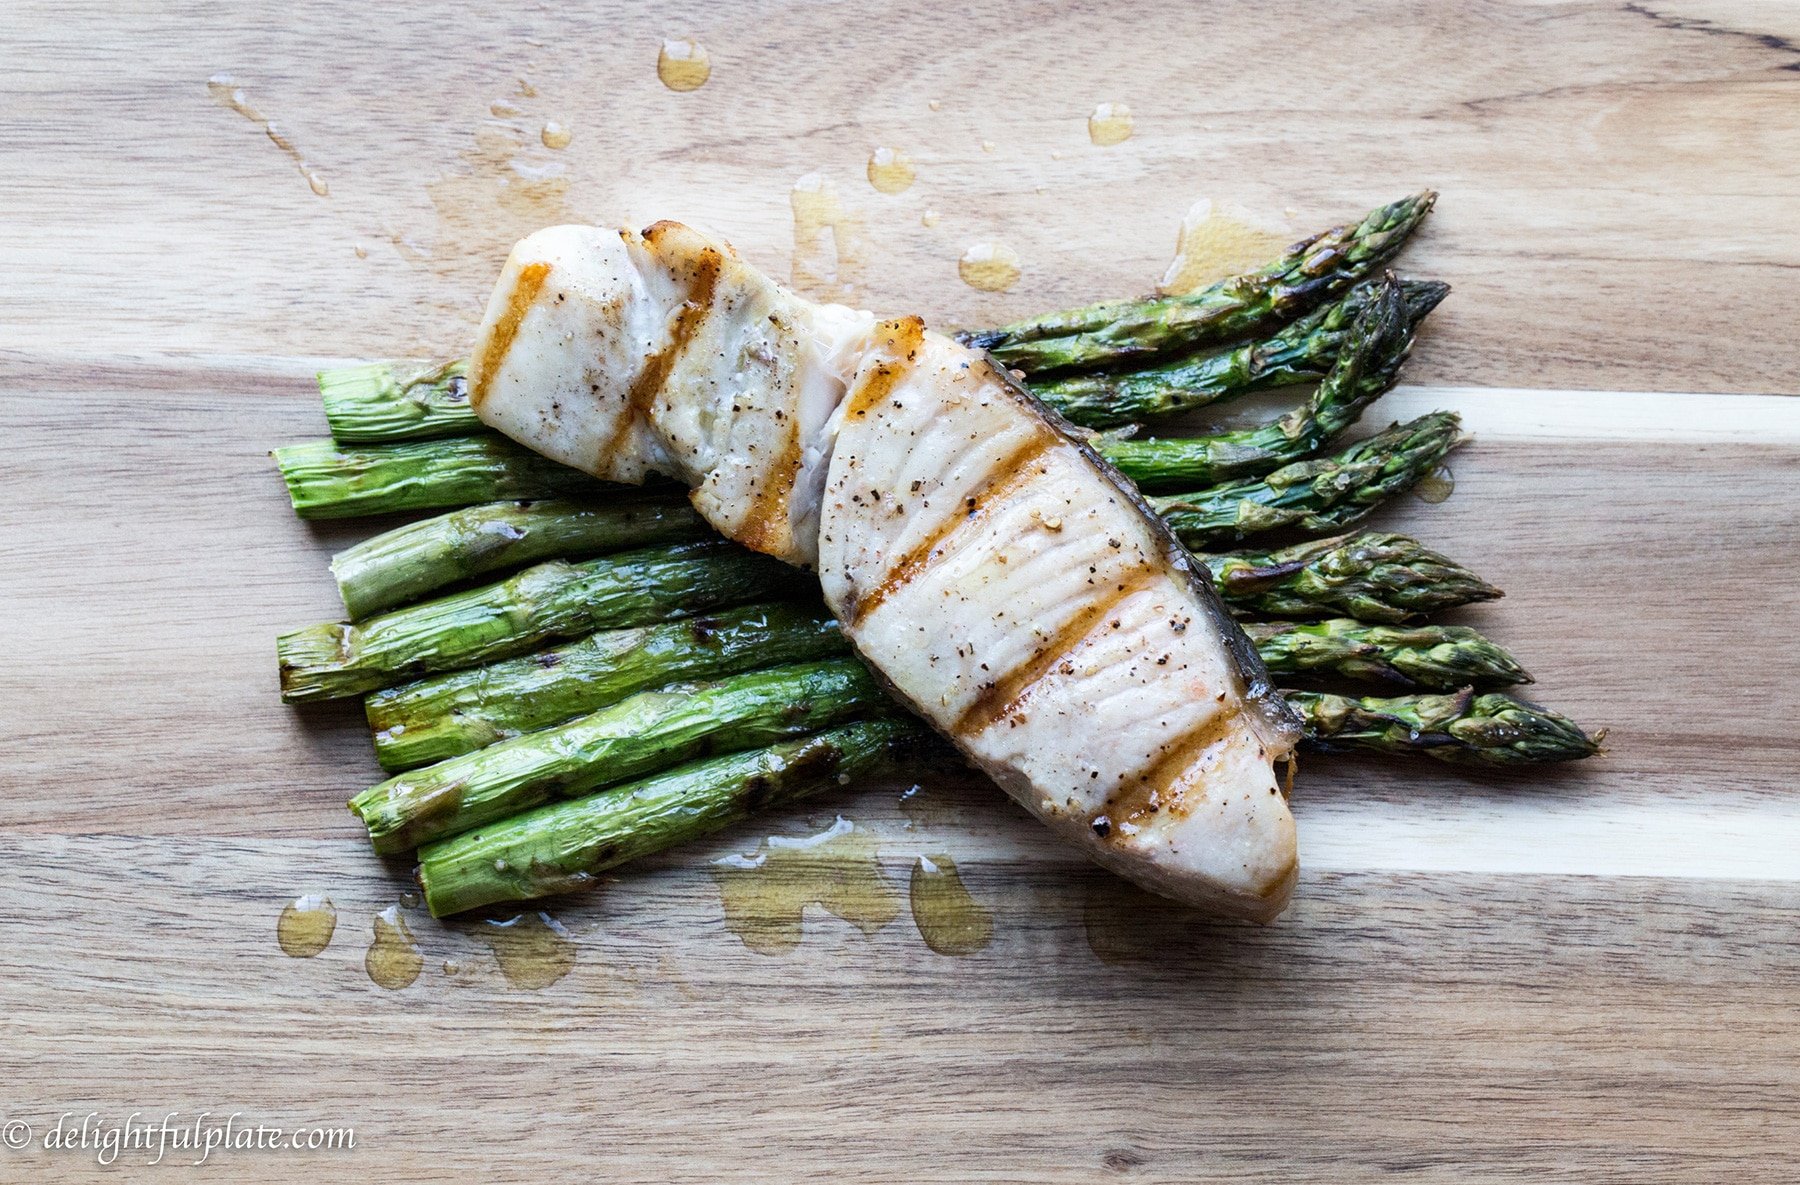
{"x":1000,"y":578}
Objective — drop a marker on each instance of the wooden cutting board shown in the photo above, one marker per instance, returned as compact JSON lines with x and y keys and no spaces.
{"x":1584,"y":974}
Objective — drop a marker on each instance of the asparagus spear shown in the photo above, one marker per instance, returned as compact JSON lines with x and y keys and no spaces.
{"x":406,"y":563}
{"x":1431,"y":657}
{"x":1366,"y":367}
{"x":1462,"y":727}
{"x":391,"y":401}
{"x":1316,"y":495}
{"x":1371,"y":576}
{"x":1300,"y":353}
{"x":564,"y":846}
{"x":451,"y":714}
{"x":1325,"y":494}
{"x":649,"y":731}
{"x":1124,"y":332}
{"x":552,"y":600}
{"x":325,"y":481}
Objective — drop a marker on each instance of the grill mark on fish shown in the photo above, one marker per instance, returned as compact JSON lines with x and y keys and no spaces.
{"x":770,"y":501}
{"x":524,"y":295}
{"x":1154,"y":788}
{"x":704,"y":282}
{"x":1005,"y":695}
{"x":900,"y":338}
{"x":1013,"y":471}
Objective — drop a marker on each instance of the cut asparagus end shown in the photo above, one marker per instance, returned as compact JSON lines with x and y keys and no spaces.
{"x":393,"y":401}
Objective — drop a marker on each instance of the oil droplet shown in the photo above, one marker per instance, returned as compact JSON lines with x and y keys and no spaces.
{"x":501,"y":109}
{"x":890,"y":171}
{"x":225,"y":91}
{"x":1055,"y":155}
{"x":526,"y":90}
{"x":949,"y":920}
{"x":683,"y":65}
{"x":987,"y":145}
{"x":393,"y":961}
{"x":305,"y":926}
{"x":934,"y":104}
{"x":362,"y":252}
{"x":991,"y":267}
{"x":533,"y":950}
{"x":826,"y":246}
{"x":555,"y":135}
{"x":928,"y":218}
{"x":766,"y":894}
{"x":1110,"y":124}
{"x":409,"y":900}
{"x":1217,"y":242}
{"x":452,"y":967}
{"x":1436,"y":486}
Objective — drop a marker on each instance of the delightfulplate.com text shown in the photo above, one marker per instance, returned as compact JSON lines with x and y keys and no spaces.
{"x":173,"y":1137}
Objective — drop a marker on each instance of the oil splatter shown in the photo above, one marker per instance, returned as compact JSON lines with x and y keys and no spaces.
{"x":508,"y":184}
{"x":827,"y":238}
{"x":991,"y":267}
{"x":305,"y":926}
{"x":555,"y":135}
{"x":1110,"y":123}
{"x":929,"y":217}
{"x":949,"y":920}
{"x":533,"y":949}
{"x":765,"y":895}
{"x":1217,"y":242}
{"x":1436,"y":486}
{"x":225,"y":91}
{"x":393,"y":961}
{"x":683,"y":65}
{"x":890,"y":171}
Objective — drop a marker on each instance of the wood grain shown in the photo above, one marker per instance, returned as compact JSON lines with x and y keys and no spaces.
{"x":1585,"y":975}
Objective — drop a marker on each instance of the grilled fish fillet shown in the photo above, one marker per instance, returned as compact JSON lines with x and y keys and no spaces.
{"x":1003,"y":580}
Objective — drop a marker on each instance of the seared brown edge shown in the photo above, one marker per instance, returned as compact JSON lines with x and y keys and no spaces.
{"x":525,"y":291}
{"x":701,"y":286}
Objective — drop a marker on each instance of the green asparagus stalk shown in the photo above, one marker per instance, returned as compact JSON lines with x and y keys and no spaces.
{"x":1301,"y":353}
{"x":552,"y":600}
{"x":408,"y":562}
{"x":564,"y":846}
{"x":647,"y":732}
{"x":1367,"y":366}
{"x":1129,"y":332}
{"x":1372,"y":576}
{"x":1325,"y":494}
{"x":1462,"y":727}
{"x":1425,"y":657}
{"x":448,"y":715}
{"x":325,"y":481}
{"x":392,"y":401}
